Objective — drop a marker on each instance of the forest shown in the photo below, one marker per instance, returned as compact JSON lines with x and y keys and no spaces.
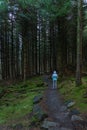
{"x":36,"y":38}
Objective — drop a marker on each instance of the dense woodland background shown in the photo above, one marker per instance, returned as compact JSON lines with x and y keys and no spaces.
{"x":39,"y":36}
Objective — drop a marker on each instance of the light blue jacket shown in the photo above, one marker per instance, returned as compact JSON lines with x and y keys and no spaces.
{"x":54,"y":76}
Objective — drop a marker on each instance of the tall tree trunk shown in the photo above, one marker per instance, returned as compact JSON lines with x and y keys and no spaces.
{"x":36,"y":71}
{"x":25,"y":49}
{"x":39,"y":36}
{"x":12,"y":51}
{"x":79,"y":45}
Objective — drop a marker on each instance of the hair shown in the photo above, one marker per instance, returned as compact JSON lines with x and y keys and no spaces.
{"x":54,"y":72}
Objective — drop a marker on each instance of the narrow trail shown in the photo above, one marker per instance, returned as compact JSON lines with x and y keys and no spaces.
{"x":56,"y":109}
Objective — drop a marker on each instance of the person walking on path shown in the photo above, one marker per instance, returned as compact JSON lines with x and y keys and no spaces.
{"x":54,"y":78}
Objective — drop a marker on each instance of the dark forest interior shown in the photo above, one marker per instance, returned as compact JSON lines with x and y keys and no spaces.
{"x":36,"y":38}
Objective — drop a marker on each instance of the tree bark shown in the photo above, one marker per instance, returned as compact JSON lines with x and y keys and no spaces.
{"x":79,"y":45}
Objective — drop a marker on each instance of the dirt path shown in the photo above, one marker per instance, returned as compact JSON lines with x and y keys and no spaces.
{"x":56,"y":109}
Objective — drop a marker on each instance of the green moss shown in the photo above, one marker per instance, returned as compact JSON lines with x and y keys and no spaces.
{"x":18,"y":100}
{"x":34,"y":120}
{"x":70,"y":92}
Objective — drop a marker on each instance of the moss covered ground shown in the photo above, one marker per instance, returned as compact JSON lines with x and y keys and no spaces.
{"x":17,"y":100}
{"x":78,"y":94}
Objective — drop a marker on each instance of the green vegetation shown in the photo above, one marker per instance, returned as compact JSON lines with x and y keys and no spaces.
{"x":77,"y":94}
{"x":18,"y":99}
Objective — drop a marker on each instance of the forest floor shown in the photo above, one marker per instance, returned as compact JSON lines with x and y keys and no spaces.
{"x":16,"y":105}
{"x":56,"y":100}
{"x":55,"y":108}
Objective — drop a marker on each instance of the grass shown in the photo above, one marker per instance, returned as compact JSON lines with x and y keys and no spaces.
{"x":70,"y":92}
{"x":18,"y":99}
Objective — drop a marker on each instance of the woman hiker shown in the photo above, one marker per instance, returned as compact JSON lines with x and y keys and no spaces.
{"x":54,"y":78}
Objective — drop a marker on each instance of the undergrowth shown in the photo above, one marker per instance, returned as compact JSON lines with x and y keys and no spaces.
{"x":78,"y":94}
{"x":17,"y":100}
